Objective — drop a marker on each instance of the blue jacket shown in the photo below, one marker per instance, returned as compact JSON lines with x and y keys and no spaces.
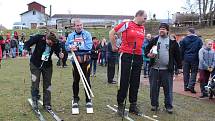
{"x":190,"y":47}
{"x":206,"y":58}
{"x":145,"y":43}
{"x":83,"y":41}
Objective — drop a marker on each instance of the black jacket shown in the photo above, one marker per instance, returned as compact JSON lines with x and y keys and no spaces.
{"x":174,"y":53}
{"x":95,"y":52}
{"x":40,"y":46}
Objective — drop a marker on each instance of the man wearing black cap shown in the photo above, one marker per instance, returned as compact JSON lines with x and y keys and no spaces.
{"x":162,"y":51}
{"x":41,"y":62}
{"x":190,"y":47}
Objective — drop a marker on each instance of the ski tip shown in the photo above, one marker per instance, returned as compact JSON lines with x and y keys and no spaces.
{"x":75,"y":111}
{"x":90,"y":110}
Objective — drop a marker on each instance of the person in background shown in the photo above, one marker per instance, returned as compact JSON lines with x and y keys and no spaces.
{"x":206,"y":66}
{"x":14,"y":45}
{"x":190,"y":46}
{"x":62,"y":62}
{"x":103,"y":47}
{"x":7,"y":45}
{"x":111,"y":60}
{"x":1,"y":42}
{"x":145,"y":58}
{"x":94,"y":55}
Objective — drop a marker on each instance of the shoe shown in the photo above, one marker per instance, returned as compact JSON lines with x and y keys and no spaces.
{"x":134,"y":109}
{"x":47,"y":107}
{"x":120,"y":110}
{"x":186,"y":89}
{"x":154,"y":108}
{"x":89,"y":104}
{"x":169,"y":110}
{"x":192,"y":90}
{"x":75,"y":103}
{"x":35,"y":104}
{"x":111,"y":82}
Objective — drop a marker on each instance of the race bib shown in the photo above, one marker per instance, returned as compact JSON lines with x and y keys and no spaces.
{"x":78,"y":41}
{"x":46,"y":54}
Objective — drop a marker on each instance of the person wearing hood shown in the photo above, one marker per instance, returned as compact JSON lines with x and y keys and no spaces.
{"x":190,"y":47}
{"x":206,"y":66}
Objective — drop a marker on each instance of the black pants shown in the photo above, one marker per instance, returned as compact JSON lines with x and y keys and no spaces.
{"x":133,"y":83}
{"x":86,"y":70}
{"x":35,"y":82}
{"x":157,"y":79}
{"x":111,"y":69}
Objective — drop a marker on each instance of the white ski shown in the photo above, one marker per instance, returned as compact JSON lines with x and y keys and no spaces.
{"x":115,"y":110}
{"x":89,"y":109}
{"x":142,"y":115}
{"x":37,"y":112}
{"x":75,"y":109}
{"x":52,"y":113}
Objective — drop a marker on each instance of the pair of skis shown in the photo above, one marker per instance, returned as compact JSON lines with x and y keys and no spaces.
{"x":75,"y":109}
{"x":39,"y":114}
{"x":126,"y":112}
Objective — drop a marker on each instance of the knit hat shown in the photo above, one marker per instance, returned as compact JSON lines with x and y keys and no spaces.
{"x":51,"y":36}
{"x":191,"y":30}
{"x":164,"y":25}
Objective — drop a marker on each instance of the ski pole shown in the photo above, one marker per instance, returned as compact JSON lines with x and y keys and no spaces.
{"x":79,"y":70}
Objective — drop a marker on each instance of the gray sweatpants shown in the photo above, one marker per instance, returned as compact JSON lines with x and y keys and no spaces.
{"x":35,"y":79}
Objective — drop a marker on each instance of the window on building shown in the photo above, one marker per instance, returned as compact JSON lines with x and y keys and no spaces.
{"x":41,"y":23}
{"x":34,"y":12}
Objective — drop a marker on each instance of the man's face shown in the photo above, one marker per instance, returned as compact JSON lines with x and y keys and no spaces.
{"x":209,"y":45}
{"x":163,"y":32}
{"x":148,"y":36}
{"x":78,"y":26}
{"x":141,"y":19}
{"x":49,"y":42}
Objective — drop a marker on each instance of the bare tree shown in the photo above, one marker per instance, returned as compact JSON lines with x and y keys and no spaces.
{"x":189,"y":7}
{"x":206,"y":11}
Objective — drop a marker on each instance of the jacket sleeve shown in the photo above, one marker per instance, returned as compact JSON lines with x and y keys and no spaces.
{"x":201,"y":59}
{"x":213,"y":59}
{"x":69,"y":42}
{"x":33,"y":40}
{"x":177,"y":55}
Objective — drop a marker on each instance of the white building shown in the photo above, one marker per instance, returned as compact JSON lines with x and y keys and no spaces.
{"x":35,"y":16}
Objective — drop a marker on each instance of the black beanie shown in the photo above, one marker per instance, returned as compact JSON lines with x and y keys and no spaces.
{"x":164,"y":25}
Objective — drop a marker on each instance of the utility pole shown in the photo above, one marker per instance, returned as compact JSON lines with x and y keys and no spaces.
{"x":168,"y":17}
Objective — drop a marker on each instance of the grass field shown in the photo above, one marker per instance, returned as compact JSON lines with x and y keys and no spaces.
{"x":15,"y":89}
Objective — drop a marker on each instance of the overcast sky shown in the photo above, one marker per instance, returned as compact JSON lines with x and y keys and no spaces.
{"x":10,"y":9}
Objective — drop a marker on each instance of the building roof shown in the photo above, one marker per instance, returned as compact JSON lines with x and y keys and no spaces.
{"x":36,"y":3}
{"x":32,"y":10}
{"x":92,"y":16}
